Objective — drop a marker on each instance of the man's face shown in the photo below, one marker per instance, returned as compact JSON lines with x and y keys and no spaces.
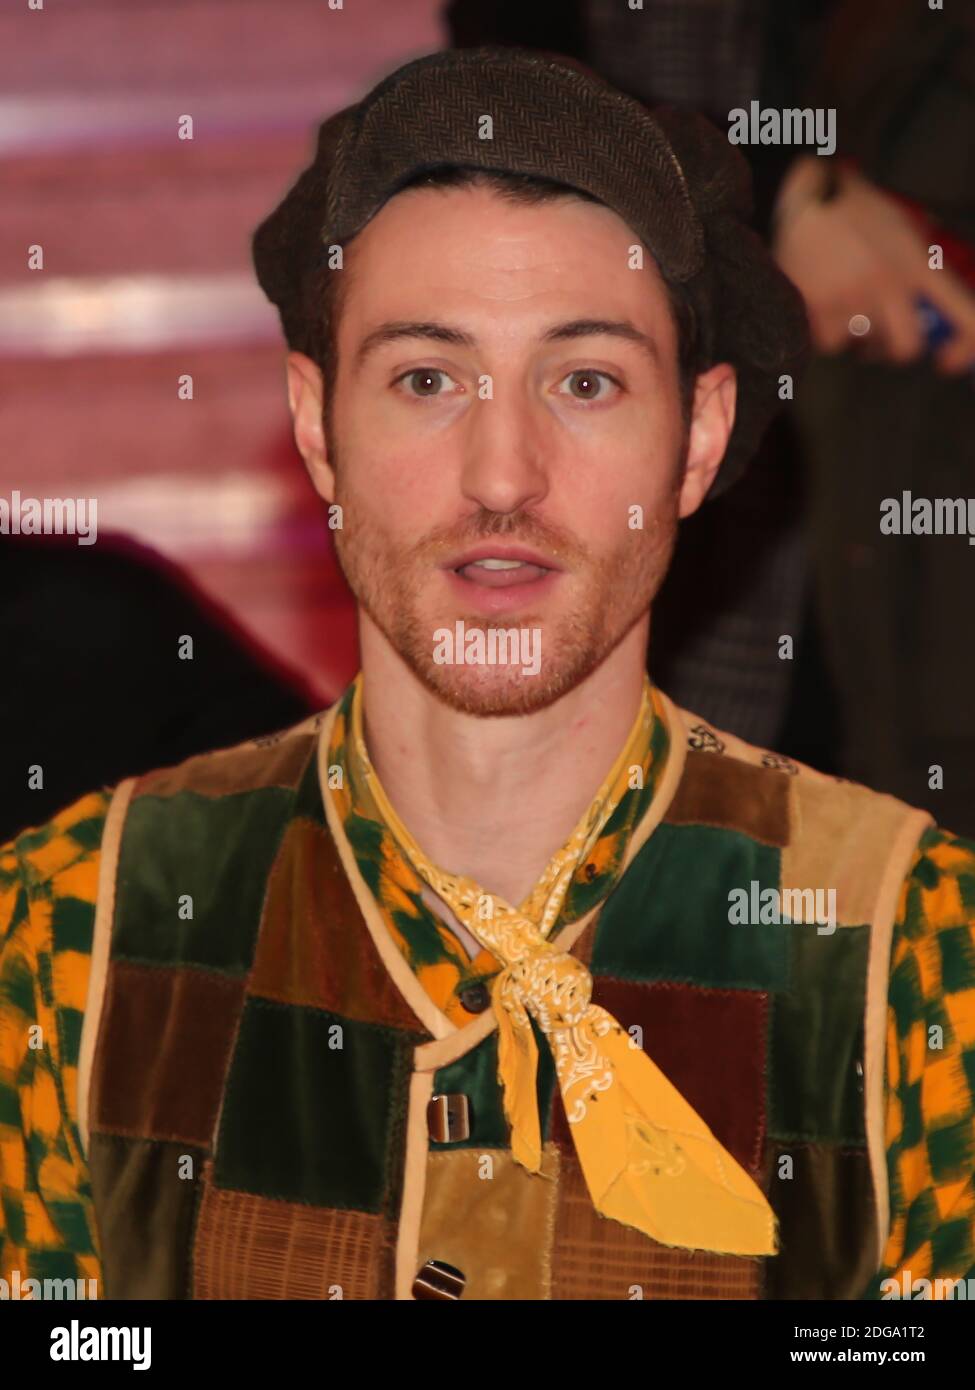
{"x":498,"y":428}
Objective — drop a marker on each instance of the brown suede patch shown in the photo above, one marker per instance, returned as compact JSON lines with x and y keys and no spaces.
{"x":492,"y":1219}
{"x":599,"y":1258}
{"x":732,"y":795}
{"x":240,"y":769}
{"x":164,"y":1048}
{"x":845,"y":835}
{"x":322,"y":955}
{"x":255,"y":1247}
{"x":709,"y":1042}
{"x":145,"y":1197}
{"x":827,"y":1222}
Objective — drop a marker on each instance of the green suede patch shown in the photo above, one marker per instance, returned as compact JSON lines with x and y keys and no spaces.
{"x":476,"y":1077}
{"x":668,"y":917}
{"x":822,"y":1196}
{"x":315,"y":1109}
{"x":145,"y":1194}
{"x":217,"y":852}
{"x":816,"y":1092}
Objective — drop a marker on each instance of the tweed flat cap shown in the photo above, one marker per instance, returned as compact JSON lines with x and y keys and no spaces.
{"x":672,"y":177}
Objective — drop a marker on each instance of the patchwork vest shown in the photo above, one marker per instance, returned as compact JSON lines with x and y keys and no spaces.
{"x":272,"y":1107}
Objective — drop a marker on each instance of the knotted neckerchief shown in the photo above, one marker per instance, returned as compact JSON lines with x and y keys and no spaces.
{"x":648,"y":1158}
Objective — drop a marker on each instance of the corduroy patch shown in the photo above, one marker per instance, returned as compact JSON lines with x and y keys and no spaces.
{"x":160,"y":1028}
{"x":710,"y":1043}
{"x":145,"y":1197}
{"x":251,"y":1247}
{"x":490,"y":1218}
{"x":825,"y":1205}
{"x":732,"y":795}
{"x":666,"y":920}
{"x":594,"y":1257}
{"x":314,"y":948}
{"x":314,"y":1109}
{"x":181,"y":855}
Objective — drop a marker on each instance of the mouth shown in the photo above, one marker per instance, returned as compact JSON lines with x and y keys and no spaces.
{"x":500,"y":567}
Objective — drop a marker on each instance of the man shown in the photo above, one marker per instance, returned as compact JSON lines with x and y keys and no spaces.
{"x":503,"y":978}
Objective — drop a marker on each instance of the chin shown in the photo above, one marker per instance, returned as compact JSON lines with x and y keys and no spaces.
{"x":492,"y":691}
{"x":469,"y":693}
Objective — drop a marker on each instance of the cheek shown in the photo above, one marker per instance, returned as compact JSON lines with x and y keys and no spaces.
{"x":624,"y":495}
{"x":392,"y":492}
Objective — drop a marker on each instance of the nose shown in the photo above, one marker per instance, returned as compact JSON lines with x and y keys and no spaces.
{"x":506,"y":449}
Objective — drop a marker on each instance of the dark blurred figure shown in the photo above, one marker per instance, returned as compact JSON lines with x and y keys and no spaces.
{"x":94,"y":688}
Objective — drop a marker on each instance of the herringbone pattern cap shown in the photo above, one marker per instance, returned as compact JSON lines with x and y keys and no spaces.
{"x":673,"y":177}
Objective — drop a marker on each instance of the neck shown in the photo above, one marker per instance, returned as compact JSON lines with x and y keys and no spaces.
{"x":495,"y":798}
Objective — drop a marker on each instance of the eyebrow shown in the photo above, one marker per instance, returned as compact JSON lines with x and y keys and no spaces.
{"x":393,"y":332}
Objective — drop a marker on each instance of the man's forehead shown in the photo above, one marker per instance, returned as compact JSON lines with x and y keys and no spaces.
{"x":413,"y":263}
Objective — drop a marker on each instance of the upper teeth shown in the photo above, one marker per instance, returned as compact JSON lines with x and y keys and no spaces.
{"x":498,"y":564}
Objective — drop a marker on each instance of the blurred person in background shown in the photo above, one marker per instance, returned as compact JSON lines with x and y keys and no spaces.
{"x":889,"y":412}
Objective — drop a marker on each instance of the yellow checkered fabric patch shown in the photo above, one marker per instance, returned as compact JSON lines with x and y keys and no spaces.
{"x":930,"y":1134}
{"x":48,"y":886}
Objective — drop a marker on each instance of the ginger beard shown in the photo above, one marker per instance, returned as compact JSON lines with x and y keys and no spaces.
{"x":595,"y":602}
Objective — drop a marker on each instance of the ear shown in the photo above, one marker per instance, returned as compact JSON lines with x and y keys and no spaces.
{"x":712,"y":420}
{"x":305,"y":399}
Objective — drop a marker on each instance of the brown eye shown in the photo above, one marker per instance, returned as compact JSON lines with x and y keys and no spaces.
{"x":586,"y":385}
{"x":426,"y":381}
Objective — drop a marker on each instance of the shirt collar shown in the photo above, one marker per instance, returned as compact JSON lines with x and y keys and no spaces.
{"x":379,"y":854}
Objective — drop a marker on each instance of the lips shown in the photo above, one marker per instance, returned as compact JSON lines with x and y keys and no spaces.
{"x":502,"y":578}
{"x":493,"y":565}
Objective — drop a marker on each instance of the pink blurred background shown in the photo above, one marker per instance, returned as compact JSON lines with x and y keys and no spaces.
{"x":147,"y":277}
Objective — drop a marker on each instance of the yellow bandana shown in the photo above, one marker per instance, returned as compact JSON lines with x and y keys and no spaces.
{"x":649,"y":1159}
